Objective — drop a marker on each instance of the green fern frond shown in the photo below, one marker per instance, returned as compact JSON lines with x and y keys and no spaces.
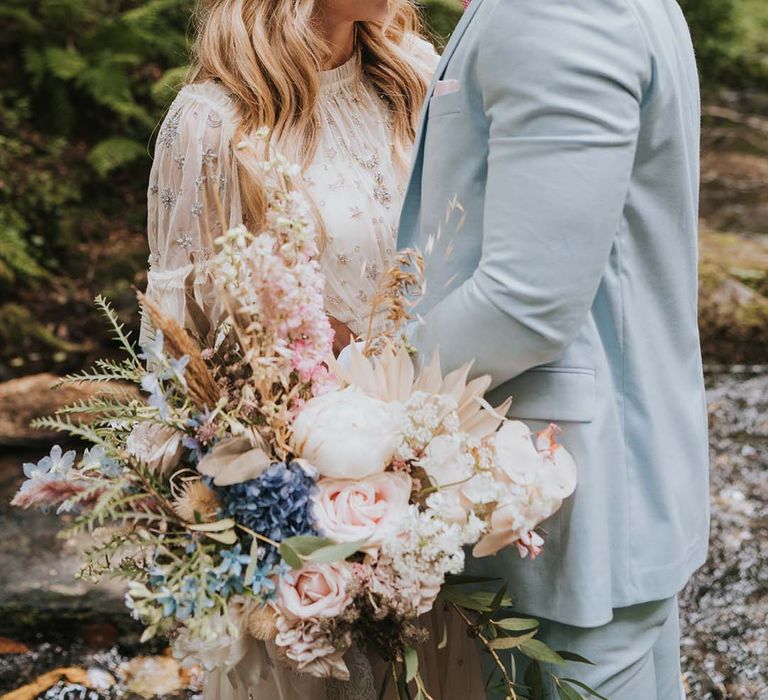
{"x":166,"y":88}
{"x":108,"y":409}
{"x":110,"y":154}
{"x":65,"y":425}
{"x":90,"y":375}
{"x":118,"y":329}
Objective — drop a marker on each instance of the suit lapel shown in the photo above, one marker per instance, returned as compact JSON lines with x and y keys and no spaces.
{"x":413,"y":192}
{"x":453,"y":42}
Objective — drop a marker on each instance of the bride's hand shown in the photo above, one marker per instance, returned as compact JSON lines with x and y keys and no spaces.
{"x":342,"y":337}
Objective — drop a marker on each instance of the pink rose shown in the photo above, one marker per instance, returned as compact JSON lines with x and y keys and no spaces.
{"x":369,"y":509}
{"x":319,"y":590}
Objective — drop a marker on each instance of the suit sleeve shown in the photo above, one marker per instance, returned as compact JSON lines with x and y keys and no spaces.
{"x":562,"y":86}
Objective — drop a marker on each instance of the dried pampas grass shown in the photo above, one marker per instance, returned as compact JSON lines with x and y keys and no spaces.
{"x":203,"y":389}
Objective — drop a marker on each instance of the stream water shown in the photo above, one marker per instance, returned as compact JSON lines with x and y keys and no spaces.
{"x":64,"y":622}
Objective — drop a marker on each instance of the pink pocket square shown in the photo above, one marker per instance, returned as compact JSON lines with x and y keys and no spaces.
{"x":446,"y":87}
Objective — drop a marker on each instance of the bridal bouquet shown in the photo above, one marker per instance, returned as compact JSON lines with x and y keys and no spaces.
{"x":263,"y":490}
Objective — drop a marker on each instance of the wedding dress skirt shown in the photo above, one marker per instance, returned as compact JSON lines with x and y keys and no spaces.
{"x":452,"y":673}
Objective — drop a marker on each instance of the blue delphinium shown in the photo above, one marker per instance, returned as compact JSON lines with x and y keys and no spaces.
{"x":161,"y":368}
{"x":96,"y":458}
{"x":55,"y":464}
{"x":276,"y":505}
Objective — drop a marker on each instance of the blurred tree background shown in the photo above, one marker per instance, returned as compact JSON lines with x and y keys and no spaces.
{"x":85,"y":84}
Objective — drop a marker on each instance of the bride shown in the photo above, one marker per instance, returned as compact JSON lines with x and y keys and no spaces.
{"x":340,"y":85}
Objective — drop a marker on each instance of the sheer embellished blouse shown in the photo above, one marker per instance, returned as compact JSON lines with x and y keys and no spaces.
{"x":355,"y":181}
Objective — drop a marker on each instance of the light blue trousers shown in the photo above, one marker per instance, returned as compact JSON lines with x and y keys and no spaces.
{"x":636,"y":655}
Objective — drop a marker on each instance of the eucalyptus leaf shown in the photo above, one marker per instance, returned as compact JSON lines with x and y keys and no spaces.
{"x":499,"y":598}
{"x":334,"y":552}
{"x":411,"y":657}
{"x":290,"y":556}
{"x":534,"y":681}
{"x":535,"y":649}
{"x":570,"y":656}
{"x":305,"y":545}
{"x":584,"y":686}
{"x":512,"y":642}
{"x":517,"y":624}
{"x":218,"y":526}
{"x":568,"y":692}
{"x":226,"y":537}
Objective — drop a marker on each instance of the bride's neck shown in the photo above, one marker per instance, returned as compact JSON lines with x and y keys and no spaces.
{"x":340,"y":38}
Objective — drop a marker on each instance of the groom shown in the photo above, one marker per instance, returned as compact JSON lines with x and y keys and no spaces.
{"x":567,"y":131}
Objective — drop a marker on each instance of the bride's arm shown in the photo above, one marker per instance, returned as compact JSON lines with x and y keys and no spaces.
{"x":193,"y":165}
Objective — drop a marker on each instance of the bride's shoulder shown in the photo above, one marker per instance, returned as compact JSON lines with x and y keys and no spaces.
{"x":209,"y":99}
{"x":422,"y":53}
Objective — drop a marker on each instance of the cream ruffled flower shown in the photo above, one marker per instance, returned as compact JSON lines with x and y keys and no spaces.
{"x":390,"y":377}
{"x":537,"y":478}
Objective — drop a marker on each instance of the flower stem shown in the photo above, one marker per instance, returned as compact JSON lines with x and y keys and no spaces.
{"x":257,"y":536}
{"x":496,"y":658}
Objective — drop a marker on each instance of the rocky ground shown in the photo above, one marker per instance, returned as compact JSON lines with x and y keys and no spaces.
{"x":725,"y":607}
{"x":50,"y":622}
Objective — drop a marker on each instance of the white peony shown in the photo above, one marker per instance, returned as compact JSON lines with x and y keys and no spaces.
{"x":347,"y":434}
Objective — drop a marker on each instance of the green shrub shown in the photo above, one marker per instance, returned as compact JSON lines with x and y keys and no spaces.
{"x":442,"y":16}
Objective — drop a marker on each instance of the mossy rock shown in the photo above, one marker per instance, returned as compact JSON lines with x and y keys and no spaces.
{"x":733,"y":303}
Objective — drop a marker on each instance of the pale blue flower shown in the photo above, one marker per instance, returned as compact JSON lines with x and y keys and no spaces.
{"x":262,"y":584}
{"x":176,"y":369}
{"x":96,"y":458}
{"x":153,"y":350}
{"x":57,"y":462}
{"x":150,"y":382}
{"x":168,"y":601}
{"x":232,"y":561}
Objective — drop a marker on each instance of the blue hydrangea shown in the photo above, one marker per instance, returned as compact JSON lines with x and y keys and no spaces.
{"x":276,"y":505}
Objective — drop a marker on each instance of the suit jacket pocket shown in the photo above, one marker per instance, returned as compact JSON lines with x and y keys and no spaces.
{"x":557,"y":394}
{"x":450,"y":103}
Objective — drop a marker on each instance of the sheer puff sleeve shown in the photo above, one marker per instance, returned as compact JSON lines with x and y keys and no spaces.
{"x":193,"y":164}
{"x":422,"y":54}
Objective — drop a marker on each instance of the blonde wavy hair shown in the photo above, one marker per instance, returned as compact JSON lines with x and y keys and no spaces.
{"x":268,"y":54}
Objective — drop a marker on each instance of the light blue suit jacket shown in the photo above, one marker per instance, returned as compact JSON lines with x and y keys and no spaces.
{"x":572,"y":150}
